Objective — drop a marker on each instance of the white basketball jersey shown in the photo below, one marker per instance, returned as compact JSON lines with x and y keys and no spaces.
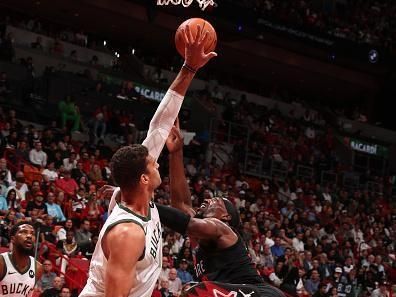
{"x":16,"y":284}
{"x":148,"y":267}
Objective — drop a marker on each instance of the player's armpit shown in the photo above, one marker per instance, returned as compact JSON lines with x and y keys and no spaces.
{"x":205,"y":228}
{"x":124,"y":246}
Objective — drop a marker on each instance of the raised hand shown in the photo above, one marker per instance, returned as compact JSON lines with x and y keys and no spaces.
{"x":195,"y":56}
{"x":174,"y":142}
{"x":106,"y":192}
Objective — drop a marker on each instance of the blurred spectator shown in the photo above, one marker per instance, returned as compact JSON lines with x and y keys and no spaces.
{"x":175,"y":283}
{"x":70,"y":163}
{"x":67,"y":184}
{"x":50,"y":174}
{"x":84,"y":236}
{"x":47,"y":279}
{"x":37,"y":204}
{"x":382,"y":290}
{"x":165,"y":268}
{"x":37,"y":156}
{"x":65,"y":292}
{"x":95,"y":174}
{"x":164,"y":283}
{"x":68,"y":246}
{"x":55,"y":288}
{"x":7,"y":51}
{"x":102,"y":117}
{"x":322,"y":291}
{"x":54,"y":209}
{"x":19,"y":186}
{"x":38,"y":44}
{"x":69,"y":112}
{"x":312,"y":284}
{"x":5,"y":174}
{"x":4,"y":85}
{"x":182,"y":272}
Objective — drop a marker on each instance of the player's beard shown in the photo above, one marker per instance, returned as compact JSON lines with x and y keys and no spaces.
{"x":199,"y":214}
{"x":24,"y":250}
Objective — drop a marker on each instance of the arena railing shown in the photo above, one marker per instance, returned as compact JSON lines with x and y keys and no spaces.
{"x":328,"y":176}
{"x":305,"y":172}
{"x":228,"y":132}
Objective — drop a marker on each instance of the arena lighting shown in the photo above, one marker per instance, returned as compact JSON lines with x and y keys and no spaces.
{"x":115,"y":54}
{"x":240,"y":28}
{"x":104,"y":43}
{"x":373,"y":56}
{"x":133,"y":51}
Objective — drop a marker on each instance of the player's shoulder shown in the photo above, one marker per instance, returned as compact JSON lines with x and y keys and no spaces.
{"x":126,"y":229}
{"x":218,"y":222}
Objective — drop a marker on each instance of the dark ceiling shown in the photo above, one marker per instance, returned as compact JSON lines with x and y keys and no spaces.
{"x":265,"y":63}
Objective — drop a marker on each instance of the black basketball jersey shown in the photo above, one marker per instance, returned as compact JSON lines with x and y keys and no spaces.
{"x":231,"y":265}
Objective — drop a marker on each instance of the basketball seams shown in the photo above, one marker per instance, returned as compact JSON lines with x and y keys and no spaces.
{"x":210,"y":43}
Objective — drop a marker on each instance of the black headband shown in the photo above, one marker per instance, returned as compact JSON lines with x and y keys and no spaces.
{"x":233,"y":212}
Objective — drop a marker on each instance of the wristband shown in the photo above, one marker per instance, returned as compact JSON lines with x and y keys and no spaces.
{"x":189,"y":68}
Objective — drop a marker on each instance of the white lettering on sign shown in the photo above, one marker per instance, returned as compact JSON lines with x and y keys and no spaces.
{"x":365,"y":148}
{"x":203,"y":4}
{"x":149,"y":93}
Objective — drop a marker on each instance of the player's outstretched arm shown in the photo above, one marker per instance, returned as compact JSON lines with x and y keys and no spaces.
{"x":179,"y":190}
{"x":124,"y":245}
{"x":208,"y":228}
{"x":163,"y":119}
{"x":166,"y":113}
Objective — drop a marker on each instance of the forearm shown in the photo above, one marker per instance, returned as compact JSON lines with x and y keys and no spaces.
{"x":180,"y":191}
{"x":166,"y":113}
{"x":173,"y":218}
{"x":182,"y":81}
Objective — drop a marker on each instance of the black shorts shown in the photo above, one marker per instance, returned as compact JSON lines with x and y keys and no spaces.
{"x":215,"y":289}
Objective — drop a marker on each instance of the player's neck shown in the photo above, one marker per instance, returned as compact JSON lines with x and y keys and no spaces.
{"x":20,"y":260}
{"x":137,"y":200}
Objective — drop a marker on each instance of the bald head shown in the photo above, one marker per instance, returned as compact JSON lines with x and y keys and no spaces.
{"x":172,"y":274}
{"x":57,"y":283}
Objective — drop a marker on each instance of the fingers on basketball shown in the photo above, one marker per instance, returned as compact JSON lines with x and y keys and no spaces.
{"x":197,"y":31}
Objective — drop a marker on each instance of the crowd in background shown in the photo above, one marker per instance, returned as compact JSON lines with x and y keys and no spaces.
{"x":307,"y":237}
{"x":301,"y":235}
{"x":362,"y":21}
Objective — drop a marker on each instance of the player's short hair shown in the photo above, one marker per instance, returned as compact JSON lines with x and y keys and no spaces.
{"x":235,"y":221}
{"x":14,"y":229}
{"x":128,"y":164}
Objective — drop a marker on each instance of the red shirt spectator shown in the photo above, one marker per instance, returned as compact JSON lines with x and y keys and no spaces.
{"x":67,"y":184}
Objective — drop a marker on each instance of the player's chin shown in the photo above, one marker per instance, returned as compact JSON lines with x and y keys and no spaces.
{"x":28,"y":250}
{"x":28,"y":246}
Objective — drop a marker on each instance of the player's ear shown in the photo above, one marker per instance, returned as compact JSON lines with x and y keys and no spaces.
{"x":226,"y":218}
{"x":144,"y":179}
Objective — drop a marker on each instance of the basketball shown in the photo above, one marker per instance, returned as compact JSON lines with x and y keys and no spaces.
{"x":211,"y":41}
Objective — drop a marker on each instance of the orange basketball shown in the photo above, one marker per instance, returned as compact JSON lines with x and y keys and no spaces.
{"x":211,"y":41}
